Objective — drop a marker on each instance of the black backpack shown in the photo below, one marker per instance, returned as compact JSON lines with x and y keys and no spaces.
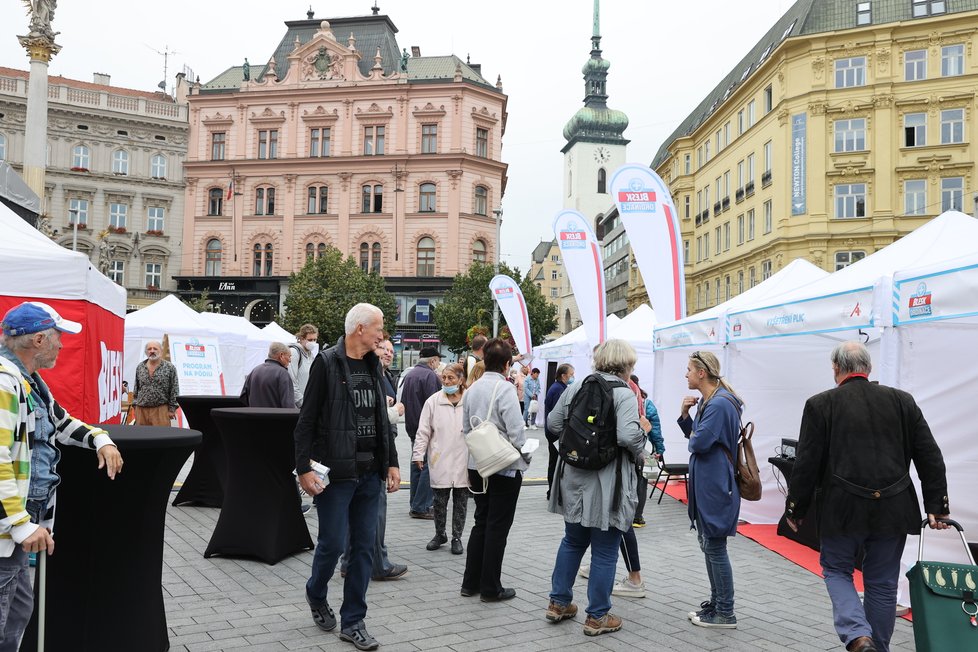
{"x":590,"y":436}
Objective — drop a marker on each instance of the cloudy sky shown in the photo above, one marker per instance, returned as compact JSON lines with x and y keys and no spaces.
{"x":665,"y":57}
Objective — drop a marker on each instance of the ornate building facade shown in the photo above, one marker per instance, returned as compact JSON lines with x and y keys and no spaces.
{"x":342,"y":140}
{"x":115,"y":167}
{"x":840,"y":132}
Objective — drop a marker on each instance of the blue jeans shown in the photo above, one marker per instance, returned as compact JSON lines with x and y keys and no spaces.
{"x":876,"y":615}
{"x":719,"y":571}
{"x":381,"y":563}
{"x":604,"y":559}
{"x":346,"y":508}
{"x":422,"y":498}
{"x":16,"y":599}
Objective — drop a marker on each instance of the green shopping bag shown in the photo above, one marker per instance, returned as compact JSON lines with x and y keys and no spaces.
{"x":944,"y":599}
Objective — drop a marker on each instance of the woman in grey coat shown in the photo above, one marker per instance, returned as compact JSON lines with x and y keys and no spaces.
{"x":586,"y":499}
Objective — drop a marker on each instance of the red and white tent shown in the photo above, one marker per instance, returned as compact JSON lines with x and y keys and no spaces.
{"x":87,"y":380}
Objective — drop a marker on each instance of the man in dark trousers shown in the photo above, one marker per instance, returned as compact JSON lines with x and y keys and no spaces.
{"x":419,"y":385}
{"x":565,"y":376}
{"x":855,"y":447}
{"x":269,"y":384}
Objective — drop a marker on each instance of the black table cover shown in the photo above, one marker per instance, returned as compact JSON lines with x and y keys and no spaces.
{"x":204,"y":485}
{"x":260,"y":516}
{"x":807,"y":534}
{"x":104,"y":581}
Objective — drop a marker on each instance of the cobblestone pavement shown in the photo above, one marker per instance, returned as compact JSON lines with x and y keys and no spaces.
{"x":240,"y":604}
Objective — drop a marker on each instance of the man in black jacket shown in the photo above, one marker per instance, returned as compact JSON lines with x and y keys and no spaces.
{"x":418,"y":387}
{"x":343,"y":425}
{"x":269,"y":384}
{"x":855,"y":447}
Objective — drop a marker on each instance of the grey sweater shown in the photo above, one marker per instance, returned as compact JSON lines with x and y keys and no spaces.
{"x":507,"y":413}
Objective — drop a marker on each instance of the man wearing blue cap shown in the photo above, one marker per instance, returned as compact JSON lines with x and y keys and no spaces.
{"x":30,"y":421}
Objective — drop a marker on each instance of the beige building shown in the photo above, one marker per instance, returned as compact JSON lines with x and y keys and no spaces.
{"x":841,"y":131}
{"x":547,"y":272}
{"x":115,"y":166}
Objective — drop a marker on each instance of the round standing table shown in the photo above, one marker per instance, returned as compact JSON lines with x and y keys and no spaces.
{"x":204,"y":485}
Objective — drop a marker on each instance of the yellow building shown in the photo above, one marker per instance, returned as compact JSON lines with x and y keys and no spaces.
{"x":840,"y":132}
{"x":547,"y":272}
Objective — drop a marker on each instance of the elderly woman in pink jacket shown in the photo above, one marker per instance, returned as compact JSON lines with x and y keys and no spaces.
{"x":440,"y":435}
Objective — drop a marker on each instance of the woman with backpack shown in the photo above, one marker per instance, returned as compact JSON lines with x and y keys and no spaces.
{"x":714,"y":497}
{"x":597,"y":503}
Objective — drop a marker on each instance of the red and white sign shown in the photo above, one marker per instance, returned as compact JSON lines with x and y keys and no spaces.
{"x":513,"y":306}
{"x":582,"y":263}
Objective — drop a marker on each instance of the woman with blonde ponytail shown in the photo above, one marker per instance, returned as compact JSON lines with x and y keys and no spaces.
{"x":714,"y":497}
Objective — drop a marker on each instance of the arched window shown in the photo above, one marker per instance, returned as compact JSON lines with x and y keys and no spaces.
{"x":320,"y":249}
{"x":263,"y":259}
{"x":479,"y":251}
{"x":372,"y":200}
{"x":370,"y":257}
{"x":215,"y":201}
{"x":120,"y":162}
{"x":602,"y":181}
{"x":212,"y":258}
{"x":426,"y":257}
{"x":317,"y":200}
{"x":264,"y":201}
{"x":157,"y":166}
{"x":310,"y":251}
{"x":481,"y":200}
{"x":427,"y":200}
{"x":81,"y":157}
{"x":375,"y":263}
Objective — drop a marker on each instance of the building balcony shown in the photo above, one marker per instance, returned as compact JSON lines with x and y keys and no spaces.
{"x":726,"y":203}
{"x":766,"y":179}
{"x":739,"y":195}
{"x":717,"y":207}
{"x":749,"y":189}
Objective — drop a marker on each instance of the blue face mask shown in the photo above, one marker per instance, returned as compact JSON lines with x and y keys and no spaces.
{"x":570,"y":381}
{"x":450,"y":389}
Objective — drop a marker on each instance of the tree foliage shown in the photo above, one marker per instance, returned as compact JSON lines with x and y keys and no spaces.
{"x":469,"y":303}
{"x":325,"y":289}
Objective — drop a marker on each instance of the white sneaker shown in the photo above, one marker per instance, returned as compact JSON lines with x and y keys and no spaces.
{"x":628,"y":589}
{"x":585,"y":571}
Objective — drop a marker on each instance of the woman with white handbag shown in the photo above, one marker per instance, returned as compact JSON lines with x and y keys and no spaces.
{"x":493,"y":400}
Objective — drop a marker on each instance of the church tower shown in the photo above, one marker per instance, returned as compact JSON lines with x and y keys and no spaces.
{"x":595,"y":145}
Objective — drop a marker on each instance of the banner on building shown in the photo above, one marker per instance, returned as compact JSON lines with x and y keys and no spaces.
{"x":650,"y":219}
{"x":198,"y":363}
{"x":508,"y":295}
{"x":582,"y":263}
{"x":799,"y":154}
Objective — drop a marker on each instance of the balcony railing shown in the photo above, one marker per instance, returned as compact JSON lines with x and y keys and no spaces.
{"x":717,"y":207}
{"x":749,"y":189}
{"x":739,"y":195}
{"x":766,"y":179}
{"x":726,"y":203}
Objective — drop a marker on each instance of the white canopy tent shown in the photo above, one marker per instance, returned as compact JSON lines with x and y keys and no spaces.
{"x":277,"y":333}
{"x":636,"y":329}
{"x":240,"y":347}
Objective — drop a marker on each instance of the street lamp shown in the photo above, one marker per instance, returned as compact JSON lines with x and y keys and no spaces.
{"x":498,"y":212}
{"x":74,"y":228}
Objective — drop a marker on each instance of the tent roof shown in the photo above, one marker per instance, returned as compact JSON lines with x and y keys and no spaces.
{"x":636,"y":325}
{"x":277,"y":333}
{"x":168,"y":315}
{"x":562,"y":346}
{"x":230,"y":324}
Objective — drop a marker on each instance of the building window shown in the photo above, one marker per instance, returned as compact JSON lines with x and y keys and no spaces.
{"x":117,"y":215}
{"x":766,"y":270}
{"x":753,"y":276}
{"x":370,"y":257}
{"x":481,"y":200}
{"x":120,"y":162}
{"x":750,"y":173}
{"x":846,"y":258}
{"x":864,"y":13}
{"x":915,"y":129}
{"x":686,"y":251}
{"x":554,"y":275}
{"x":750,"y":113}
{"x":927,"y":7}
{"x":315,"y":250}
{"x":952,"y":194}
{"x":212,"y":257}
{"x":850,"y":200}
{"x":699,"y":249}
{"x":78,"y":211}
{"x":215,"y":201}
{"x":553,"y":293}
{"x":268,"y":143}
{"x":218,"y":141}
{"x":850,"y":72}
{"x":262,"y":265}
{"x":319,"y":142}
{"x":426,"y":257}
{"x":850,"y":135}
{"x":686,"y":202}
{"x":117,"y":272}
{"x":768,"y":216}
{"x":372,"y":199}
{"x":717,"y":293}
{"x":706,"y":151}
{"x":716,"y":241}
{"x":768,"y":157}
{"x":687,"y":163}
{"x":915,"y":65}
{"x":727,"y":286}
{"x":81,"y":157}
{"x":750,"y":224}
{"x":3,"y":147}
{"x":426,"y":203}
{"x":706,"y":245}
{"x":317,"y":200}
{"x":154,"y":275}
{"x":706,"y":286}
{"x":602,"y":181}
{"x":482,"y":142}
{"x":429,"y":139}
{"x":157,"y":166}
{"x":740,"y":229}
{"x":479,"y":251}
{"x":915,"y":196}
{"x":952,"y":126}
{"x":952,"y":60}
{"x":740,"y":281}
{"x":155,"y":218}
{"x":719,"y":140}
{"x":264,"y":201}
{"x":373,"y":141}
{"x":726,"y":236}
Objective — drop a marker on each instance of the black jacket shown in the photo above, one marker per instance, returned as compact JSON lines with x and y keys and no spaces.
{"x":327,"y":431}
{"x":866,"y":434}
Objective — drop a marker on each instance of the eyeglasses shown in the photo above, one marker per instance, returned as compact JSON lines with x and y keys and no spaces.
{"x":696,"y":354}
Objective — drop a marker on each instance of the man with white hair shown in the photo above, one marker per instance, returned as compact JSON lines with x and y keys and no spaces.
{"x":344,"y":426}
{"x":154,"y":400}
{"x":269,"y":385}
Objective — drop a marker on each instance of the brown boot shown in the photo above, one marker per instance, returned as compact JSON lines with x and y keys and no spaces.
{"x":558,"y":612}
{"x":604,"y":625}
{"x":862,"y":644}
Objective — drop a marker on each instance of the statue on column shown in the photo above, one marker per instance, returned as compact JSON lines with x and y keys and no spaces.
{"x":105,"y":252}
{"x":41,"y":13}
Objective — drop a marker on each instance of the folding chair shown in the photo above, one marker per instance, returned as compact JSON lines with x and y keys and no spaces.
{"x":670,"y":471}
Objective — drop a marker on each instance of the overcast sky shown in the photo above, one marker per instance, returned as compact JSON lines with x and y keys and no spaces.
{"x":665,"y":57}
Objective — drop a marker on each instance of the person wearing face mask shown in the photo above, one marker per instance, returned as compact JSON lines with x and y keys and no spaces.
{"x":440,"y":438}
{"x":304,"y":351}
{"x":157,"y":387}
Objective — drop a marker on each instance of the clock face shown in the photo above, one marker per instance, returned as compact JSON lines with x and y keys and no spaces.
{"x":602,"y":155}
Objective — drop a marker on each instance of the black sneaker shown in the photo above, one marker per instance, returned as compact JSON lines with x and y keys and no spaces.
{"x":457,"y":548}
{"x":359,"y":637}
{"x":706,"y":607}
{"x":322,"y":615}
{"x":437,"y":542}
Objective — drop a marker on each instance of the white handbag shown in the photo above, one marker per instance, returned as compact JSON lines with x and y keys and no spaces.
{"x":490,"y":451}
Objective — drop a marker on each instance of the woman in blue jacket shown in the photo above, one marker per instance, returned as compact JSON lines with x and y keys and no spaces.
{"x":714,"y":498}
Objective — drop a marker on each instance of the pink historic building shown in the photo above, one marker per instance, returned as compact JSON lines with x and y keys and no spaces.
{"x":341,"y":139}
